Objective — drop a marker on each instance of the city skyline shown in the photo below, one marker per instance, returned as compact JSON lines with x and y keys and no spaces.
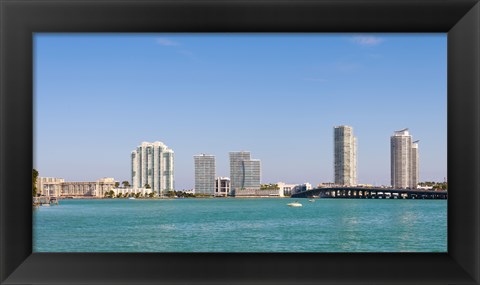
{"x":275,"y":95}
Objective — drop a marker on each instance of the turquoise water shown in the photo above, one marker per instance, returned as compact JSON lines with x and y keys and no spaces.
{"x":241,"y":225}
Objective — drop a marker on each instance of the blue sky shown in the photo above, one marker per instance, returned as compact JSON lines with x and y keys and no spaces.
{"x":98,"y":96}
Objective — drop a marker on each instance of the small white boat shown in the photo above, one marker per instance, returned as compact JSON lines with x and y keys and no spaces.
{"x":294,"y":204}
{"x":311,"y":200}
{"x":132,"y":198}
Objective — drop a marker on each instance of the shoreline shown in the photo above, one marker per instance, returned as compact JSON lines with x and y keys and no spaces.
{"x":166,"y":198}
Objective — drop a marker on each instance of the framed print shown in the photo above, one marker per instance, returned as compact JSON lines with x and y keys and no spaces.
{"x":32,"y":31}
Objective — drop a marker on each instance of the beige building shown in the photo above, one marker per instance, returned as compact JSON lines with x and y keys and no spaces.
{"x":130,"y":191}
{"x":345,"y":156}
{"x":49,"y":186}
{"x":253,"y":192}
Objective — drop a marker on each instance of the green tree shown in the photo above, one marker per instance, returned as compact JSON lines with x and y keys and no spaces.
{"x":117,"y":184}
{"x":147,"y":186}
{"x":34,"y":181}
{"x":125,"y":184}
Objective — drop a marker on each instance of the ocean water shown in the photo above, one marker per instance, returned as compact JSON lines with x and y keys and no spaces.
{"x":241,"y":225}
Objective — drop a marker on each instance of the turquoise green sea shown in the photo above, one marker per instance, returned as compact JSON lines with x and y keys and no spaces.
{"x":241,"y":225}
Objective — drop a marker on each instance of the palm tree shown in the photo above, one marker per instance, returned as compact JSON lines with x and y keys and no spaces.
{"x":126,"y":184}
{"x":34,"y":181}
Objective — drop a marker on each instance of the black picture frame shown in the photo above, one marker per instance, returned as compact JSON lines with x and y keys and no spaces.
{"x":20,"y":19}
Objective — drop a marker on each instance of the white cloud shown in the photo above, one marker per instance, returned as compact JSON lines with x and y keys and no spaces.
{"x":366,"y":40}
{"x":166,"y":42}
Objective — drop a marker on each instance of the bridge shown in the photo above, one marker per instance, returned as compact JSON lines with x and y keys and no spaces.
{"x":371,"y":193}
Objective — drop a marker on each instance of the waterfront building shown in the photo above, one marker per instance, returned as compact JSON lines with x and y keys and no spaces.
{"x":345,"y":156}
{"x":49,"y":186}
{"x":152,"y":166}
{"x":404,"y":160}
{"x":286,"y":189}
{"x":257,"y":193}
{"x":222,"y":186}
{"x":301,"y":188}
{"x":129,"y":191}
{"x":251,"y":174}
{"x":244,"y":171}
{"x":204,"y":174}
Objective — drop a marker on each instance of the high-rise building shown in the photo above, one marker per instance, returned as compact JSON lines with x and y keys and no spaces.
{"x":204,"y":174}
{"x":404,"y":160}
{"x":415,"y":169}
{"x":152,"y":167}
{"x":251,"y":174}
{"x":244,"y":171}
{"x":345,"y":156}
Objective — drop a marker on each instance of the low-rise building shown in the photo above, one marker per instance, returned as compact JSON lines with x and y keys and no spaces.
{"x":285,"y":188}
{"x":222,"y":187}
{"x":253,"y":192}
{"x":302,"y":188}
{"x":128,"y":191}
{"x":49,"y":186}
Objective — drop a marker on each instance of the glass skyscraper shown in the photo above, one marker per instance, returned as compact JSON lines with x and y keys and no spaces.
{"x":204,"y":174}
{"x":345,"y":156}
{"x":244,"y":171}
{"x":152,"y":166}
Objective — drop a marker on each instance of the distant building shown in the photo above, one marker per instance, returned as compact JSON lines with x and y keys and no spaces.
{"x":345,"y":156}
{"x":251,"y":174}
{"x":286,"y":189}
{"x":49,"y":186}
{"x":204,"y":174}
{"x":404,"y":160}
{"x":244,"y":171}
{"x":289,"y":189}
{"x":326,"y":185}
{"x":301,"y":188}
{"x":152,"y":165}
{"x":415,"y":169}
{"x":128,"y":191}
{"x":254,"y":192}
{"x":222,"y":186}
